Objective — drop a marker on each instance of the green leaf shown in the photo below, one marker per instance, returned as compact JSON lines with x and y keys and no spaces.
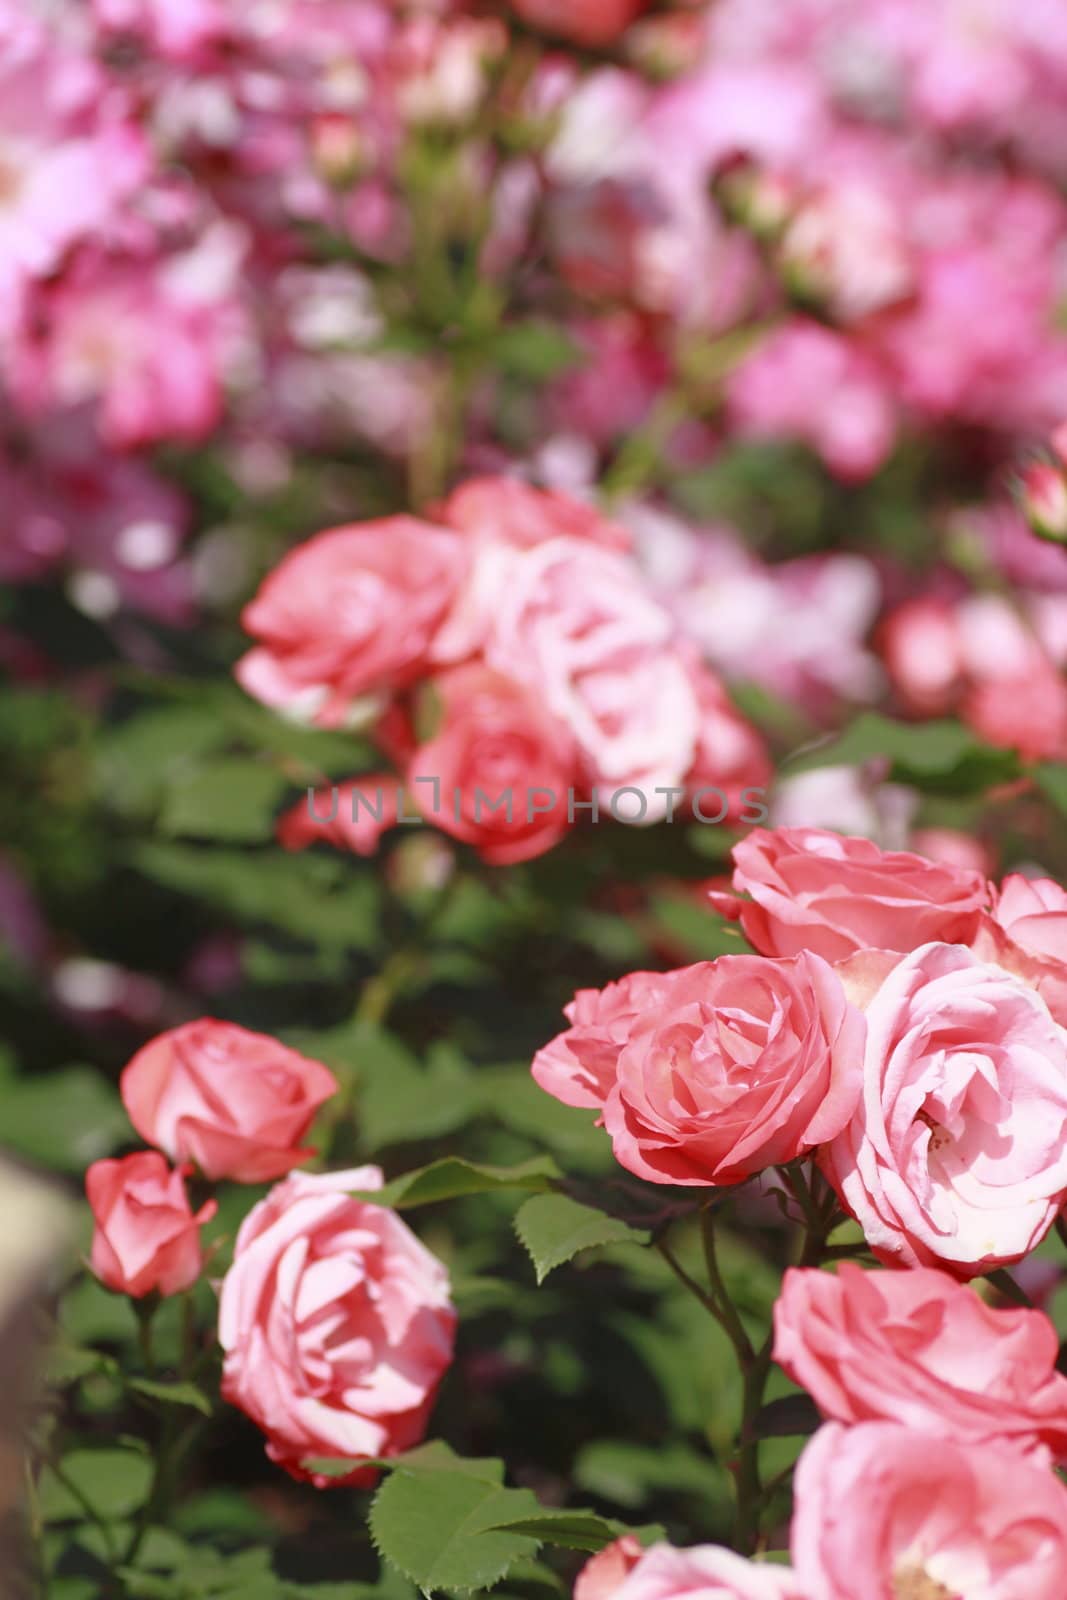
{"x":535,"y":350}
{"x":435,"y":1456}
{"x":173,"y":1394}
{"x":399,"y":1100}
{"x":229,"y":799}
{"x":1051,"y":779}
{"x":554,"y":1229}
{"x":443,"y":1530}
{"x":64,"y":1120}
{"x":114,"y":1482}
{"x":571,"y":1530}
{"x":942,"y":757}
{"x":449,"y":1178}
{"x":326,"y":901}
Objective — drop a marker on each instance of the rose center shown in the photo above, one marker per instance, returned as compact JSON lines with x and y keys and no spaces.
{"x":913,"y":1583}
{"x":939,"y":1138}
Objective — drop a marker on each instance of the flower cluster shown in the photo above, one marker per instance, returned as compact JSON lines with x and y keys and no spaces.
{"x":516,"y":665}
{"x":901,"y":1023}
{"x":335,"y":1322}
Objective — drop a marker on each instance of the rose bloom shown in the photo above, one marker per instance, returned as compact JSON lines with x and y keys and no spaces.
{"x":923,"y":652}
{"x":707,"y":1572}
{"x":146,"y":1237}
{"x":336,"y":1325}
{"x":921,"y":1349}
{"x":1026,"y":932}
{"x":578,"y":1066}
{"x":815,"y":890}
{"x":957,"y":1152}
{"x":499,"y":519}
{"x":577,"y":624}
{"x":587,"y":22}
{"x":497,"y":771}
{"x":884,"y":1511}
{"x":726,"y":1068}
{"x":350,"y":816}
{"x":237,"y":1103}
{"x":350,"y":614}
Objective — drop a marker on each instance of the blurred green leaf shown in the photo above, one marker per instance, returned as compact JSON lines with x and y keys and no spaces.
{"x":227,"y":799}
{"x":64,"y":1120}
{"x":943,"y":757}
{"x":114,"y":1483}
{"x":173,"y":1394}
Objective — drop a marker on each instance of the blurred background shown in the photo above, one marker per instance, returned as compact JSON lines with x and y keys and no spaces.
{"x":780,"y":286}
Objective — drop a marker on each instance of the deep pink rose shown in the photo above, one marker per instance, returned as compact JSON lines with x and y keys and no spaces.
{"x":706,"y":1572}
{"x":498,"y":770}
{"x":588,"y":22}
{"x":723,"y":1068}
{"x":146,"y":1237}
{"x":351,"y":613}
{"x":957,"y":1152}
{"x":336,"y":1325}
{"x":922,"y":1349}
{"x":578,"y":1066}
{"x":350,"y":816}
{"x":882,"y":1511}
{"x":815,"y":890}
{"x":237,"y":1103}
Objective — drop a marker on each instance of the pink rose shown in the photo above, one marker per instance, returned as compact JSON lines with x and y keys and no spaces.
{"x":728,"y":1067}
{"x":731,"y":765}
{"x":146,"y":1237}
{"x":350,"y":816}
{"x":587,"y":22}
{"x":237,"y":1103}
{"x":498,"y":770}
{"x":706,"y":1572}
{"x":815,"y":890}
{"x":499,"y":519}
{"x":336,"y":1325}
{"x":351,"y":613}
{"x":578,"y":625}
{"x":882,"y":1511}
{"x":578,"y":1066}
{"x":923,"y":652}
{"x":603,"y":1573}
{"x":921,"y":1349}
{"x":1026,"y":933}
{"x":957,"y":1152}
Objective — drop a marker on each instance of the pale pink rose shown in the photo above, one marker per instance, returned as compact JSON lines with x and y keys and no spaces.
{"x":921,"y":1349}
{"x":727,"y":1068}
{"x":603,"y":1573}
{"x":884,"y":1511}
{"x":1026,"y":932}
{"x":351,"y":613}
{"x":923,"y":652}
{"x":953,"y":848}
{"x":578,"y":1066}
{"x":237,"y":1103}
{"x":957,"y":1153}
{"x":578,"y":625}
{"x":1034,"y":912}
{"x":706,"y":1572}
{"x":497,"y":772}
{"x":508,"y":511}
{"x":336,"y":1325}
{"x":350,"y":816}
{"x":146,"y":1237}
{"x":588,"y":22}
{"x":815,"y":890}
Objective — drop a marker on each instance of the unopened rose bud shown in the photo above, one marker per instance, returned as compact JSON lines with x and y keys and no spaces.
{"x":420,"y":866}
{"x":762,"y":202}
{"x":1043,"y":496}
{"x":337,"y":148}
{"x":665,"y":47}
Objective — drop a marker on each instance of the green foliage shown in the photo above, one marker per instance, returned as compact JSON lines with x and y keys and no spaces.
{"x":939,"y":757}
